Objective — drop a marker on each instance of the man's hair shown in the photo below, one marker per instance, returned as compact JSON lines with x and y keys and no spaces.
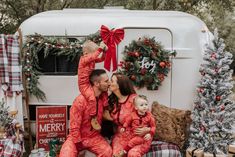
{"x":95,"y":74}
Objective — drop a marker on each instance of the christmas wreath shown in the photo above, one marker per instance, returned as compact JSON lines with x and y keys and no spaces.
{"x":146,"y":62}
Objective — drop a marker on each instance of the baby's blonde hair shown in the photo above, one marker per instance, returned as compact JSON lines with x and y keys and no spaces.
{"x":89,"y":46}
{"x":140,"y":97}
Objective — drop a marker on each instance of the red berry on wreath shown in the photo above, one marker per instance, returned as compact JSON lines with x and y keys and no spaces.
{"x":161,"y":77}
{"x":143,"y":71}
{"x":168,"y":64}
{"x":137,"y":54}
{"x":146,"y":41}
{"x":133,"y":77}
{"x":162,"y":64}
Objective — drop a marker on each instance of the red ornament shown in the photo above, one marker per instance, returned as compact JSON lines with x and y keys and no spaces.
{"x":218,"y":98}
{"x":203,"y":128}
{"x":213,"y":56}
{"x":162,"y":64}
{"x":168,"y":64}
{"x":121,"y":64}
{"x":222,"y":107}
{"x":212,"y":109}
{"x":200,"y":90}
{"x":127,"y":65}
{"x":133,"y":77}
{"x":146,"y":41}
{"x":143,"y":71}
{"x":160,"y":77}
{"x":216,"y":70}
{"x":137,"y":54}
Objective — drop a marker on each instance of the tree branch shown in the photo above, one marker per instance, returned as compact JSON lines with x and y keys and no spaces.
{"x":154,"y":4}
{"x":66,"y":4}
{"x":14,"y":9}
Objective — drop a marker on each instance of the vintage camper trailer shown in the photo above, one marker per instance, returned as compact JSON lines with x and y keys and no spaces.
{"x":182,"y":32}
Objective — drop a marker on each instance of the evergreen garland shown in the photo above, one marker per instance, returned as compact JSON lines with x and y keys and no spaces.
{"x":36,"y":44}
{"x":146,"y":62}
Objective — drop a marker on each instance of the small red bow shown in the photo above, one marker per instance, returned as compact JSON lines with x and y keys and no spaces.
{"x":111,"y":38}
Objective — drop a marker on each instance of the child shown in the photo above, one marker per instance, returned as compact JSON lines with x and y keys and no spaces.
{"x":140,"y":118}
{"x":91,"y":53}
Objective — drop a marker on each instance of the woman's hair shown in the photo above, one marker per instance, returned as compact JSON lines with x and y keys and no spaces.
{"x":125,"y":86}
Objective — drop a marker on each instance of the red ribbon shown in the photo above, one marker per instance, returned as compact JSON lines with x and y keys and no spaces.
{"x":111,"y":38}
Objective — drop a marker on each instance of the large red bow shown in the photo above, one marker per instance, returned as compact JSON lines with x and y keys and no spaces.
{"x":111,"y":38}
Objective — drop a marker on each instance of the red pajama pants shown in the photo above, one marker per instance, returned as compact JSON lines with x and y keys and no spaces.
{"x":138,"y":145}
{"x":98,"y":145}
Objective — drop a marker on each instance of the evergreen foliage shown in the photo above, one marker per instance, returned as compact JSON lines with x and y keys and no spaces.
{"x":214,"y":113}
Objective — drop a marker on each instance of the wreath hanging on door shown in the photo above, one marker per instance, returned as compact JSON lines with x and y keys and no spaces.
{"x":146,"y":62}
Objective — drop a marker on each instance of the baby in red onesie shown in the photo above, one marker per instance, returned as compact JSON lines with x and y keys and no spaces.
{"x":140,"y":117}
{"x":91,"y":53}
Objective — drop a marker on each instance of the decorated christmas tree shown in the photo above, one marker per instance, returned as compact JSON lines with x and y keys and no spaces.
{"x":214,"y":113}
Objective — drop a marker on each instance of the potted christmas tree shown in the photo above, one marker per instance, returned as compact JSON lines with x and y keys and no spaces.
{"x":5,"y":119}
{"x":214,"y":113}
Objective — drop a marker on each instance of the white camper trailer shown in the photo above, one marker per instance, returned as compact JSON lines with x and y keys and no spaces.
{"x":182,"y":32}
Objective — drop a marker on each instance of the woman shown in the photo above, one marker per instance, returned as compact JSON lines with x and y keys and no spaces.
{"x":121,"y":103}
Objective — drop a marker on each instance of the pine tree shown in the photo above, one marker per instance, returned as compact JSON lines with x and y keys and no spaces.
{"x":213,"y":114}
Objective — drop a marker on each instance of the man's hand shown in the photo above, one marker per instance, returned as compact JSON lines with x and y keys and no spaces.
{"x":147,"y":137}
{"x":142,"y":131}
{"x":103,"y":46}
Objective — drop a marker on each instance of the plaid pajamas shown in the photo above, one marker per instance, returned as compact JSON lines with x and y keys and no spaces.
{"x":10,"y":69}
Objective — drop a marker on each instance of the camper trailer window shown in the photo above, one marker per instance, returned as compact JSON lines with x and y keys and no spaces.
{"x":57,"y":65}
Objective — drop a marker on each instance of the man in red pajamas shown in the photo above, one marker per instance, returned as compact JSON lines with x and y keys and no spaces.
{"x":82,"y":135}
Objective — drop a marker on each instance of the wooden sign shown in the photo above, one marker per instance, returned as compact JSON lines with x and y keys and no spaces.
{"x":51,"y":123}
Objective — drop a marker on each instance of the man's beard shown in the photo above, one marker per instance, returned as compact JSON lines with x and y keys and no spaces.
{"x":102,"y":89}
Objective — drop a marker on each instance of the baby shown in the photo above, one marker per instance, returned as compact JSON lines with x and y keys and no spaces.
{"x":140,"y":118}
{"x":91,"y":53}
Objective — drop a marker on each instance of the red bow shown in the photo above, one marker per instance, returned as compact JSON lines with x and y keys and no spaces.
{"x":111,"y":38}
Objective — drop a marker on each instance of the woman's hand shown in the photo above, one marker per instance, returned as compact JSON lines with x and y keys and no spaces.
{"x":147,"y":137}
{"x":142,"y":131}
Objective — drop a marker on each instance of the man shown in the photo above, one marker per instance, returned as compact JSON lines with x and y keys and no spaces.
{"x":82,"y":135}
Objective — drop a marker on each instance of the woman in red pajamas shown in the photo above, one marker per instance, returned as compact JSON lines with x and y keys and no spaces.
{"x":122,"y":97}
